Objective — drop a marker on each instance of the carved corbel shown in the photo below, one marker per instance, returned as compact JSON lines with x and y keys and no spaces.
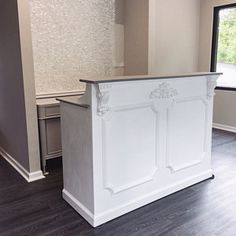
{"x":211,"y":84}
{"x":103,"y":96}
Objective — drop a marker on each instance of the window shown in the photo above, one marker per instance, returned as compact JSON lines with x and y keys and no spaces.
{"x":224,"y":46}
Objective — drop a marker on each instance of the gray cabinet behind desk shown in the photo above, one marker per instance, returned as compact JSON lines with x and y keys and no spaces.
{"x":49,"y":130}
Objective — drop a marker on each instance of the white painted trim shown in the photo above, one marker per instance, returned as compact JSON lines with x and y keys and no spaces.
{"x":59,"y":94}
{"x":169,"y":163}
{"x":99,"y":219}
{"x":29,"y":177}
{"x":224,"y":127}
{"x":79,"y":207}
{"x":107,"y":184}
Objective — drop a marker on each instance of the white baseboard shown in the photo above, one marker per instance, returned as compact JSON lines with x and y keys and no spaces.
{"x":224,"y":127}
{"x":29,"y":177}
{"x":101,"y":218}
{"x":79,"y":207}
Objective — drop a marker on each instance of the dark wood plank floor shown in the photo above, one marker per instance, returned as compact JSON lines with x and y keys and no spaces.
{"x":206,"y":209}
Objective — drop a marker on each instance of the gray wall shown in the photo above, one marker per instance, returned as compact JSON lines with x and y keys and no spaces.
{"x":18,"y":125}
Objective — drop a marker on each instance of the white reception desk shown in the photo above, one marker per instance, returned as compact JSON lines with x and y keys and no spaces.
{"x":132,"y":140}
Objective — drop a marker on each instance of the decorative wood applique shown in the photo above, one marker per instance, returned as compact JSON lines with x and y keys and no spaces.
{"x":164,"y":91}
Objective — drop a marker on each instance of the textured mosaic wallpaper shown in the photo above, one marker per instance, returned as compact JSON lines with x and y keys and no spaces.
{"x":72,"y":39}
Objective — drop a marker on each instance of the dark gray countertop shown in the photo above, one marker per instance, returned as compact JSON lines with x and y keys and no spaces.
{"x":74,"y":101}
{"x":144,"y":77}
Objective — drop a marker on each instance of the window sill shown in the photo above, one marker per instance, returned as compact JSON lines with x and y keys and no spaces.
{"x":226,"y":88}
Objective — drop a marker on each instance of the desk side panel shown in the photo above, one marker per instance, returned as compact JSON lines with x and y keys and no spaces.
{"x":77,"y":156}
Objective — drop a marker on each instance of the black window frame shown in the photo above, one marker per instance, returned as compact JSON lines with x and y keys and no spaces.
{"x":215,"y":37}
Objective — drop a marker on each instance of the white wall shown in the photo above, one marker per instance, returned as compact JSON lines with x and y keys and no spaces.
{"x":224,"y":107}
{"x":175,"y":36}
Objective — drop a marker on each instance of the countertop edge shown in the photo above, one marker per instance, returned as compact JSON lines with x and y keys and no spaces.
{"x":72,"y":102}
{"x":137,"y":78}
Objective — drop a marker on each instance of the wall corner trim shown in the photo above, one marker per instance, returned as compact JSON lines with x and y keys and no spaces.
{"x":224,"y":127}
{"x":29,"y":177}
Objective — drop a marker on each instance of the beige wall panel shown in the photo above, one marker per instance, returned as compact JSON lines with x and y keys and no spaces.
{"x":136,"y":36}
{"x":225,"y":108}
{"x":176,"y":36}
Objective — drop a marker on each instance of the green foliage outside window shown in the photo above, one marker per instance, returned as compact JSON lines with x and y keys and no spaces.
{"x":227,"y":37}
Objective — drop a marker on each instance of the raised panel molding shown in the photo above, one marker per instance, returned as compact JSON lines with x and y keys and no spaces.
{"x":186,"y":166}
{"x":107,"y":179}
{"x":169,"y":164}
{"x":117,"y":189}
